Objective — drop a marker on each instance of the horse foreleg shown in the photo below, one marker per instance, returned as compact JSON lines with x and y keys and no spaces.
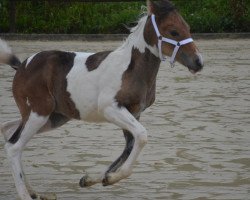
{"x":125,"y":154}
{"x":122,"y":167}
{"x":122,"y":118}
{"x":88,"y":180}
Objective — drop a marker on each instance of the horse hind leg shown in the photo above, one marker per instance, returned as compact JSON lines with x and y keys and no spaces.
{"x":35,"y":116}
{"x":14,"y":152}
{"x":12,"y":131}
{"x":55,"y":120}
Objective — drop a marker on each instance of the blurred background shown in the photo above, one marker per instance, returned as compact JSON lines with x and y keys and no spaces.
{"x":103,"y":17}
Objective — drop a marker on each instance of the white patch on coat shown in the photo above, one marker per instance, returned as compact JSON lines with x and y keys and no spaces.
{"x":92,"y":91}
{"x":30,"y":59}
{"x":27,"y":101}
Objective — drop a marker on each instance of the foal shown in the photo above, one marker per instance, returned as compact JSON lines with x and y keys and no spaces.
{"x":52,"y":87}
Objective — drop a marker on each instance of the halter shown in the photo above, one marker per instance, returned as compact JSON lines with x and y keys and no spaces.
{"x":170,"y":41}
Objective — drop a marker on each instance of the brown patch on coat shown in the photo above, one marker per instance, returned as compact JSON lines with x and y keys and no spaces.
{"x":138,"y":82}
{"x":149,"y":33}
{"x":41,"y":86}
{"x":95,"y":60}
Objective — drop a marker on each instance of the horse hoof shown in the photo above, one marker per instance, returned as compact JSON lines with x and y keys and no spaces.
{"x":83,"y":182}
{"x":105,"y":182}
{"x":48,"y":197}
{"x":87,"y":181}
{"x":33,"y":196}
{"x":36,"y":196}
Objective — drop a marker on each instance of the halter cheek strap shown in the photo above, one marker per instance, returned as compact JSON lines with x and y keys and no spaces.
{"x":170,"y":41}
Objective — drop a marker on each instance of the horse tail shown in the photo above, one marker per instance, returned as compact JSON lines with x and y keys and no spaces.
{"x":7,"y":57}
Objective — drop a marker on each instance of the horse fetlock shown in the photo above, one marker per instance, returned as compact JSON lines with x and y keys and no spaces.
{"x":108,"y":179}
{"x":112,"y":178}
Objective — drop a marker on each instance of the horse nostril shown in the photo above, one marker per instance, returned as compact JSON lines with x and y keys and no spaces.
{"x":198,"y":63}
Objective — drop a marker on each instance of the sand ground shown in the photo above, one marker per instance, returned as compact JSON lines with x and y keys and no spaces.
{"x":199,"y":139}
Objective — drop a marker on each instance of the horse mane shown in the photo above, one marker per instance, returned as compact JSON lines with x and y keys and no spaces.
{"x":161,"y":8}
{"x":134,"y":31}
{"x":139,"y":24}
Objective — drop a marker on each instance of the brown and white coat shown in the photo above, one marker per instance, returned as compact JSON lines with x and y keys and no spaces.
{"x":52,"y":87}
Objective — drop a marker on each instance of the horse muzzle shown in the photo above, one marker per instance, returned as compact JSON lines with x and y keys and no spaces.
{"x":193,"y":63}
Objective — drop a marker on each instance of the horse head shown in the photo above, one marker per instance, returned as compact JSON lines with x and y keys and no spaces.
{"x":167,"y":30}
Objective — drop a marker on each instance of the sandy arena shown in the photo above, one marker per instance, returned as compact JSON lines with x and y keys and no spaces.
{"x":199,"y":139}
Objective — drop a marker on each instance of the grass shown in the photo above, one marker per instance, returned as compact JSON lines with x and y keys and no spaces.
{"x":58,"y":17}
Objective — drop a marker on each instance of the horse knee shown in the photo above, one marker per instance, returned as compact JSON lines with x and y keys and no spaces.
{"x":142,"y":137}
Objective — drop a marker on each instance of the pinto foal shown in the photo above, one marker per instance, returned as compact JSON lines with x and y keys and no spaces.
{"x":52,"y":87}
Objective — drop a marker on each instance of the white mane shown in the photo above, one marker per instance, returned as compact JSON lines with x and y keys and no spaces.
{"x":141,"y":23}
{"x":136,"y":38}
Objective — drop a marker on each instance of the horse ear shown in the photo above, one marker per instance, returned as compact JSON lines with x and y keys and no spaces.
{"x":151,"y":7}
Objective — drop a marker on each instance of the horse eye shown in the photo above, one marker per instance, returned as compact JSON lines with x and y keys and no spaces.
{"x":174,"y":33}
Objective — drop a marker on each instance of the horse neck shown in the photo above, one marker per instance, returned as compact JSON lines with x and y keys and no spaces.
{"x":146,"y":65}
{"x":144,"y":57}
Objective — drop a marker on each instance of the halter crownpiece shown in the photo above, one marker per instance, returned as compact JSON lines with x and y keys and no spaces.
{"x":170,"y":41}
